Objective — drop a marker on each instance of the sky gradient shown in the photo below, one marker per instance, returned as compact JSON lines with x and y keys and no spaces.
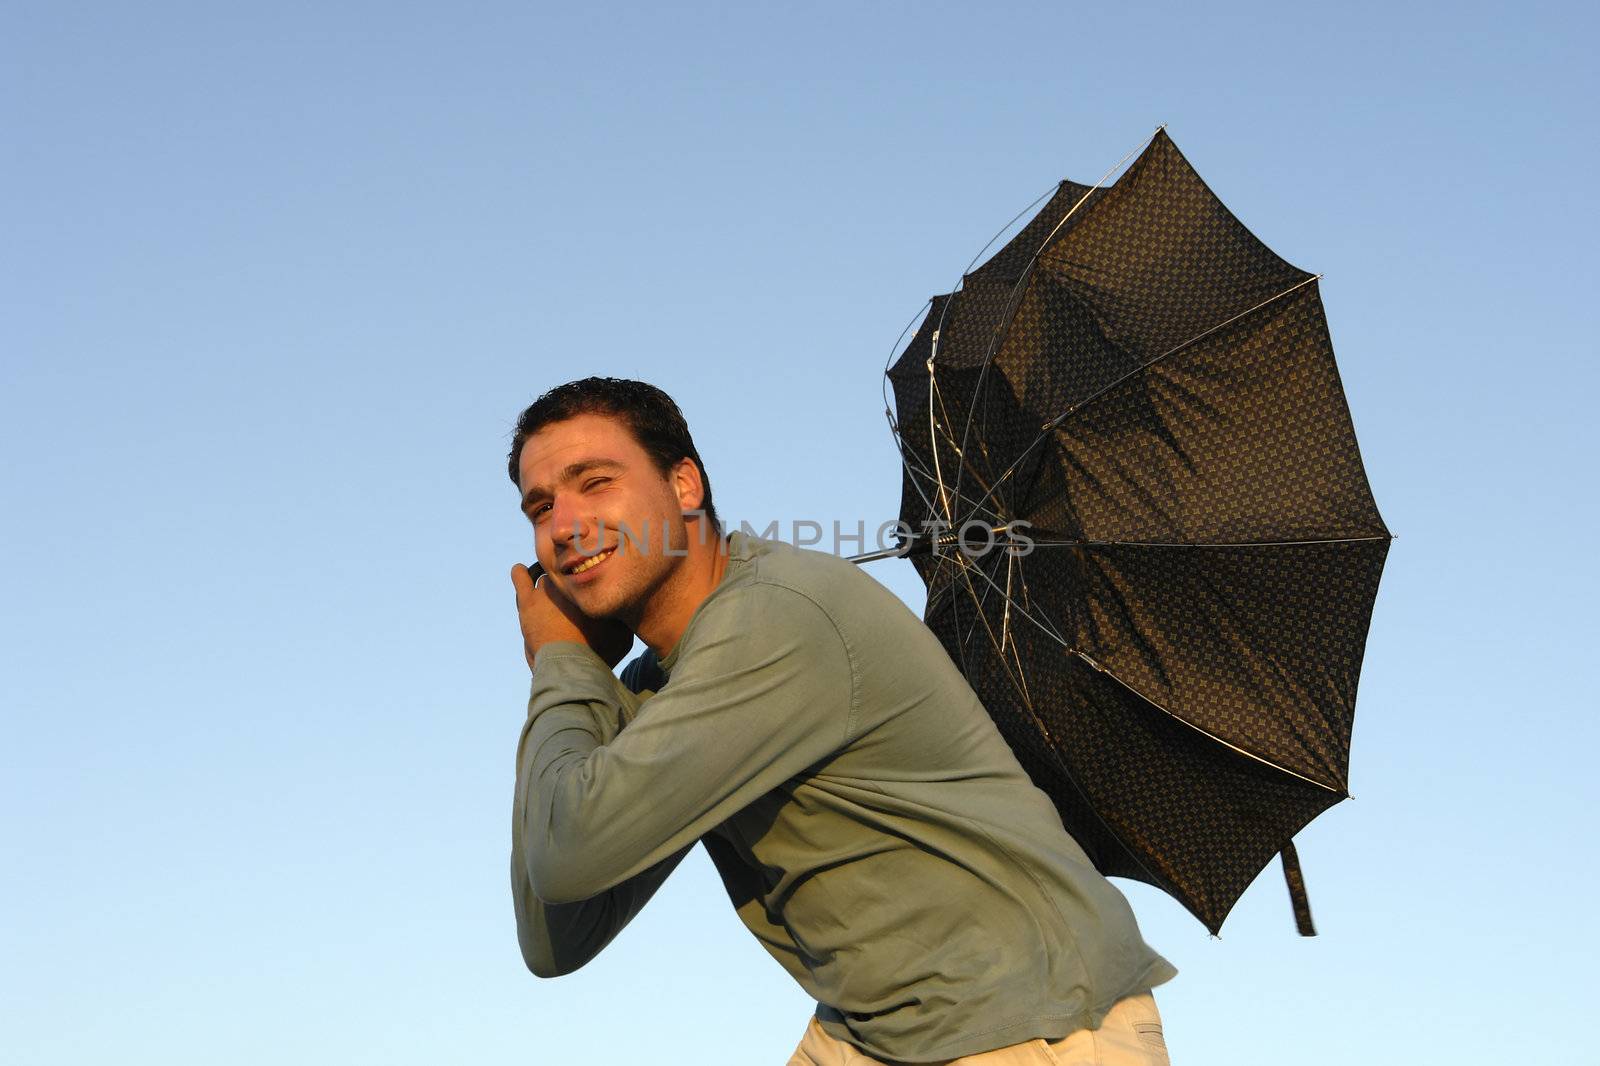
{"x":277,"y":280}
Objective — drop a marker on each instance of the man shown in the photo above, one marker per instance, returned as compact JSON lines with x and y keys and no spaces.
{"x":870,"y":824}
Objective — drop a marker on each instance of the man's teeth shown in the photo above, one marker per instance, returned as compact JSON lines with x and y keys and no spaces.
{"x":591,"y":562}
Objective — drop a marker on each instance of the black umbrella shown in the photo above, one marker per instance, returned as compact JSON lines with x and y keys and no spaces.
{"x":1134,"y":407}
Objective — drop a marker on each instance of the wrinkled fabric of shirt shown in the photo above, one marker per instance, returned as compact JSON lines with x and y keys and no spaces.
{"x":871,"y":826}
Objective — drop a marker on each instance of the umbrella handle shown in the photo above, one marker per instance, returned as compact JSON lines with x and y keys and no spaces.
{"x":1297,"y":890}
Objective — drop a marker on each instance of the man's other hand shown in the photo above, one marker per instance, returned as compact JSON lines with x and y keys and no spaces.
{"x":546,"y":615}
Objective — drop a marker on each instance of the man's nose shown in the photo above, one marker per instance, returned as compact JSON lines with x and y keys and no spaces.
{"x":568,"y":523}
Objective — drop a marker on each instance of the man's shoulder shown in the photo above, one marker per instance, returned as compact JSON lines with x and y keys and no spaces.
{"x":840,"y":589}
{"x":830,"y":582}
{"x":774,"y":600}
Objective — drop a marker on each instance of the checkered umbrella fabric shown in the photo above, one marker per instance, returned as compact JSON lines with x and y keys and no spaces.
{"x":1142,"y":397}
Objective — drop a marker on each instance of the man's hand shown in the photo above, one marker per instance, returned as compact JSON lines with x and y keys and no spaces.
{"x":546,"y":615}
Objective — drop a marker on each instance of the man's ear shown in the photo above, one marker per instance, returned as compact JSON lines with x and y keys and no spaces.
{"x":686,"y":482}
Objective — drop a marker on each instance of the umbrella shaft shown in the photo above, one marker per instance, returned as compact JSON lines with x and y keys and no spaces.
{"x":925,"y":543}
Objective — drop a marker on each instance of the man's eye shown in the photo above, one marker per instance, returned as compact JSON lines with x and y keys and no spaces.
{"x":538,"y":512}
{"x":594,"y":482}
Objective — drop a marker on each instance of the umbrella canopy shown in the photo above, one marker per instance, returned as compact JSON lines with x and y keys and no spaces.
{"x":1170,"y":636}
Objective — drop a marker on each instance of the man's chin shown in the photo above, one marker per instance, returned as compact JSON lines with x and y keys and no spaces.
{"x":594,"y":604}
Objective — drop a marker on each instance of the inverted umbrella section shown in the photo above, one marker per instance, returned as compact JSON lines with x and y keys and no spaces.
{"x":1135,"y":404}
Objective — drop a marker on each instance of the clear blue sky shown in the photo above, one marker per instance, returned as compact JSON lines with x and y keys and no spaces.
{"x":277,"y":278}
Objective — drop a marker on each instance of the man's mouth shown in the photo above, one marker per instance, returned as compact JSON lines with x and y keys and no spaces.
{"x":589,"y":564}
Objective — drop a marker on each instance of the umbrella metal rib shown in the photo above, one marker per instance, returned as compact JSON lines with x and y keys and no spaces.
{"x":1197,"y":544}
{"x":1156,"y":704}
{"x":1204,"y":732}
{"x":1021,"y":286}
{"x":1050,"y":426}
{"x":966,"y":567}
{"x":1049,"y":631}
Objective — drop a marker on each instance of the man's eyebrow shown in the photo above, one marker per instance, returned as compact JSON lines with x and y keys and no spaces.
{"x":572,"y":470}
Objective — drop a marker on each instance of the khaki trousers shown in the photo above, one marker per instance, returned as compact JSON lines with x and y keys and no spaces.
{"x":1129,"y":1036}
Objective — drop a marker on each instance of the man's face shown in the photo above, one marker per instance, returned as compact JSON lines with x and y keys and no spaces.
{"x":602,"y":513}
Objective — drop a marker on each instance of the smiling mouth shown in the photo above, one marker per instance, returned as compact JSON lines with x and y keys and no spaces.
{"x":590,"y":563}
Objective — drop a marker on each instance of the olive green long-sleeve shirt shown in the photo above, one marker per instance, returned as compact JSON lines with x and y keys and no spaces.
{"x":870,"y":824}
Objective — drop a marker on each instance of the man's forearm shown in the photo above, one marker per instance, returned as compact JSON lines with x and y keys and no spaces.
{"x":558,"y":938}
{"x":754,"y":706}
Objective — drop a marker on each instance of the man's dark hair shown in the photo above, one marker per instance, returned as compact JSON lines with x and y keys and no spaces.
{"x":650,"y":415}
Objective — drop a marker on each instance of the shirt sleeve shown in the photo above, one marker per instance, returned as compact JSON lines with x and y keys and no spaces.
{"x":558,"y":938}
{"x":764,"y":691}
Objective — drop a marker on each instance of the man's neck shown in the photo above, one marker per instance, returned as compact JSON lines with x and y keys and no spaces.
{"x":669,"y":610}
